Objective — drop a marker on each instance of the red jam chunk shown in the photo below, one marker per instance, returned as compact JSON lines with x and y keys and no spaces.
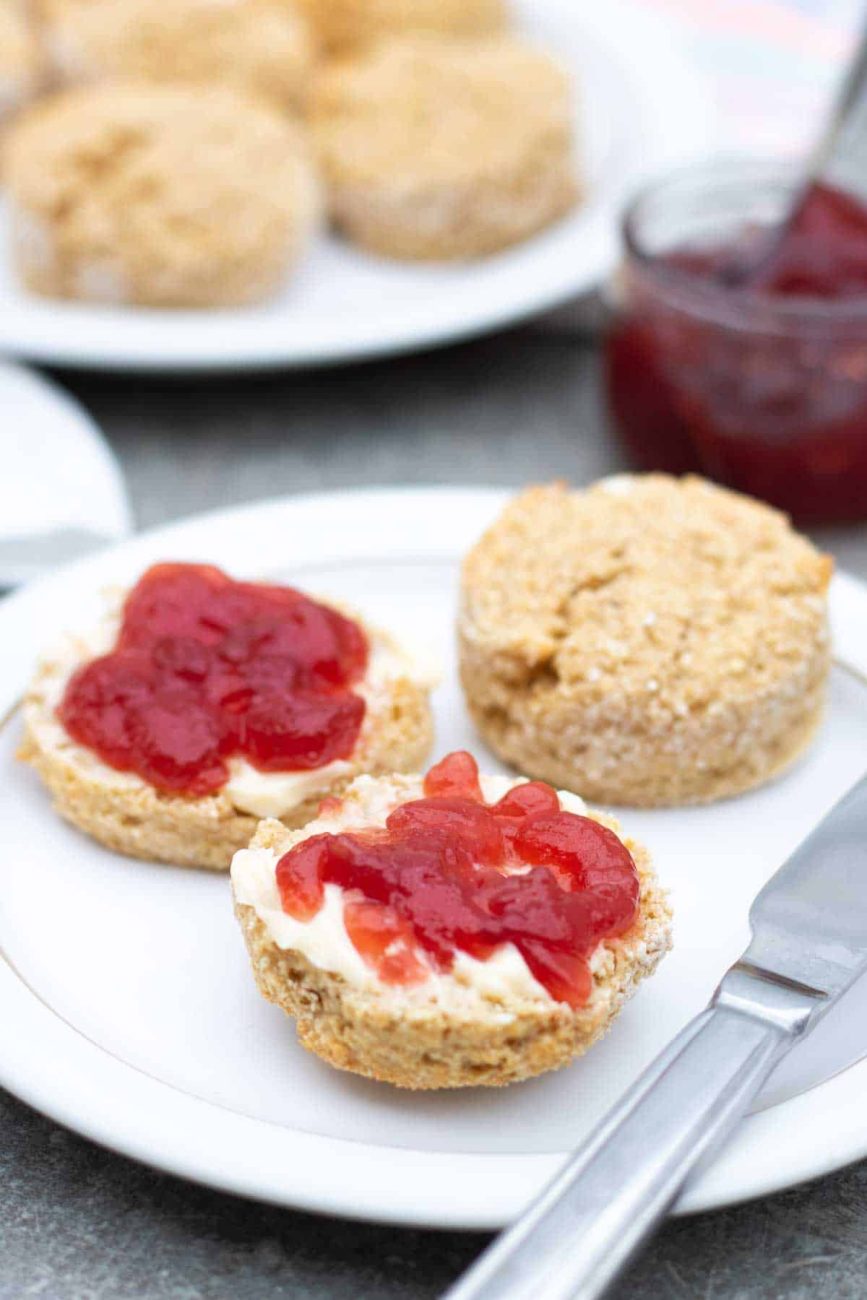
{"x":440,"y":877}
{"x":822,"y":253}
{"x":736,"y":380}
{"x":205,"y":668}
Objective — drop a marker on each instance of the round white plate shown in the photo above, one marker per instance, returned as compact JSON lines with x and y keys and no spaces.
{"x":128,"y":1007}
{"x":58,"y":470}
{"x":640,"y":110}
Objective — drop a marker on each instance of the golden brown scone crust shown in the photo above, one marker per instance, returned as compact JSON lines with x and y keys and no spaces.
{"x":22,"y":65}
{"x":439,"y":150}
{"x":421,"y":1047}
{"x":255,"y":47}
{"x":348,"y":24}
{"x":129,"y":816}
{"x":649,"y":641}
{"x":165,"y":196}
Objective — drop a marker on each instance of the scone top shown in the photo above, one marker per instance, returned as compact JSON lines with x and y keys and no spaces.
{"x":260,"y":49}
{"x":648,"y":640}
{"x":425,"y":112}
{"x":21,"y":58}
{"x":162,"y":195}
{"x":627,"y":578}
{"x":205,"y":667}
{"x":342,"y":25}
{"x":451,"y":873}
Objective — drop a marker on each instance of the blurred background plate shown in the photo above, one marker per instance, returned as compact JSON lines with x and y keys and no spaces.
{"x":61,"y":490}
{"x":641,"y":109}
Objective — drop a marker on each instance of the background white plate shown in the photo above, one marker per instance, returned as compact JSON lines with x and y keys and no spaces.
{"x":129,"y":1011}
{"x":640,"y":111}
{"x":58,"y":471}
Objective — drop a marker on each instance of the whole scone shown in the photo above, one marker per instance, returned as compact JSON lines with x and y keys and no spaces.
{"x":437,"y":149}
{"x":22,"y":66}
{"x":348,"y":24}
{"x":165,"y":196}
{"x":132,"y":815}
{"x":256,"y":47}
{"x":486,"y":1021}
{"x":647,"y":641}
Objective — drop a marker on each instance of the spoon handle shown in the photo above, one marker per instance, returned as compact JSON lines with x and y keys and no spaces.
{"x":840,"y":155}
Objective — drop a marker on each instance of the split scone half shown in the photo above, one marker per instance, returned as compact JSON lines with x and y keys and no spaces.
{"x":437,"y":150}
{"x":450,"y":931}
{"x":646,"y":641}
{"x":200,"y":705}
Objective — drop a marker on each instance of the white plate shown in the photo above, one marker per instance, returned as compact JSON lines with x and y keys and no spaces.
{"x":58,"y":470}
{"x":130,"y":1014}
{"x":641,"y":110}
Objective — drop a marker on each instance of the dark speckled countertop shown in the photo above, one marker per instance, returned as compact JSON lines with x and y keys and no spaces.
{"x":79,"y":1223}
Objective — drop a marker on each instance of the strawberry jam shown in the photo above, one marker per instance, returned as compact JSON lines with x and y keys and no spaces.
{"x":745,"y":357}
{"x":451,"y":872}
{"x":205,"y":668}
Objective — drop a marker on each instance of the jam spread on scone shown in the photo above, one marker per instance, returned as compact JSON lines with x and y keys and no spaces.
{"x":452,"y":872}
{"x":205,"y":668}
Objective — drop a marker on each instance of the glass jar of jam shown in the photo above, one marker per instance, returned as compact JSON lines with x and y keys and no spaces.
{"x":740,"y":355}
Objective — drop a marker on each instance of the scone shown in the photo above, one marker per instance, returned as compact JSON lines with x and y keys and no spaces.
{"x":437,"y":149}
{"x":22,"y":67}
{"x":648,"y":641}
{"x":256,"y":47}
{"x":448,"y":931}
{"x":157,"y":195}
{"x":348,"y":24}
{"x":201,"y":704}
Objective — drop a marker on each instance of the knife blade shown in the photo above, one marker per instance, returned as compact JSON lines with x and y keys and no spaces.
{"x":809,"y":945}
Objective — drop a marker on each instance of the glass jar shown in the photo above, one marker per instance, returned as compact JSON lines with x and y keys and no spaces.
{"x":765,"y":394}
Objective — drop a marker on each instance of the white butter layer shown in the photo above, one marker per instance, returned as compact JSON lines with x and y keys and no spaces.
{"x":274,"y":794}
{"x":472,"y":988}
{"x":618,"y":485}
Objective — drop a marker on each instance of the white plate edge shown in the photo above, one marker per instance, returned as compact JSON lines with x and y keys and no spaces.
{"x":659,"y":64}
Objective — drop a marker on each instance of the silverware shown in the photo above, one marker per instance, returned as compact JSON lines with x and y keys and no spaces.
{"x":839,"y":158}
{"x":24,"y":558}
{"x":840,"y":153}
{"x":809,"y":945}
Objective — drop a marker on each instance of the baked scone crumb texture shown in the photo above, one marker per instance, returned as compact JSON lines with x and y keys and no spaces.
{"x":257,"y":47}
{"x":433,"y":149}
{"x":646,"y":641}
{"x":22,"y":65}
{"x":349,"y":24}
{"x":167,"y":196}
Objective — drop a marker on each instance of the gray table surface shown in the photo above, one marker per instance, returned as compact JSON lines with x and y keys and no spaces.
{"x":79,"y":1223}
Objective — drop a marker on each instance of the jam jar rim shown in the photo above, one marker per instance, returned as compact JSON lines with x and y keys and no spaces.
{"x":749,"y":311}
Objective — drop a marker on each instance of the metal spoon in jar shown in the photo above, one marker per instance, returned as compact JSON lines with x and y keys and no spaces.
{"x":837,"y":172}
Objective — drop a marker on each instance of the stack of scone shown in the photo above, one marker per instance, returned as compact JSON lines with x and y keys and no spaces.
{"x":189,"y":152}
{"x":647,"y":641}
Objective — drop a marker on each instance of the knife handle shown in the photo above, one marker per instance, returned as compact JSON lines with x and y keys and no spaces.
{"x":581,"y":1232}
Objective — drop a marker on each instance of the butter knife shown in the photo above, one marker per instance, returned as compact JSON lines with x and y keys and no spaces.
{"x":809,"y":945}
